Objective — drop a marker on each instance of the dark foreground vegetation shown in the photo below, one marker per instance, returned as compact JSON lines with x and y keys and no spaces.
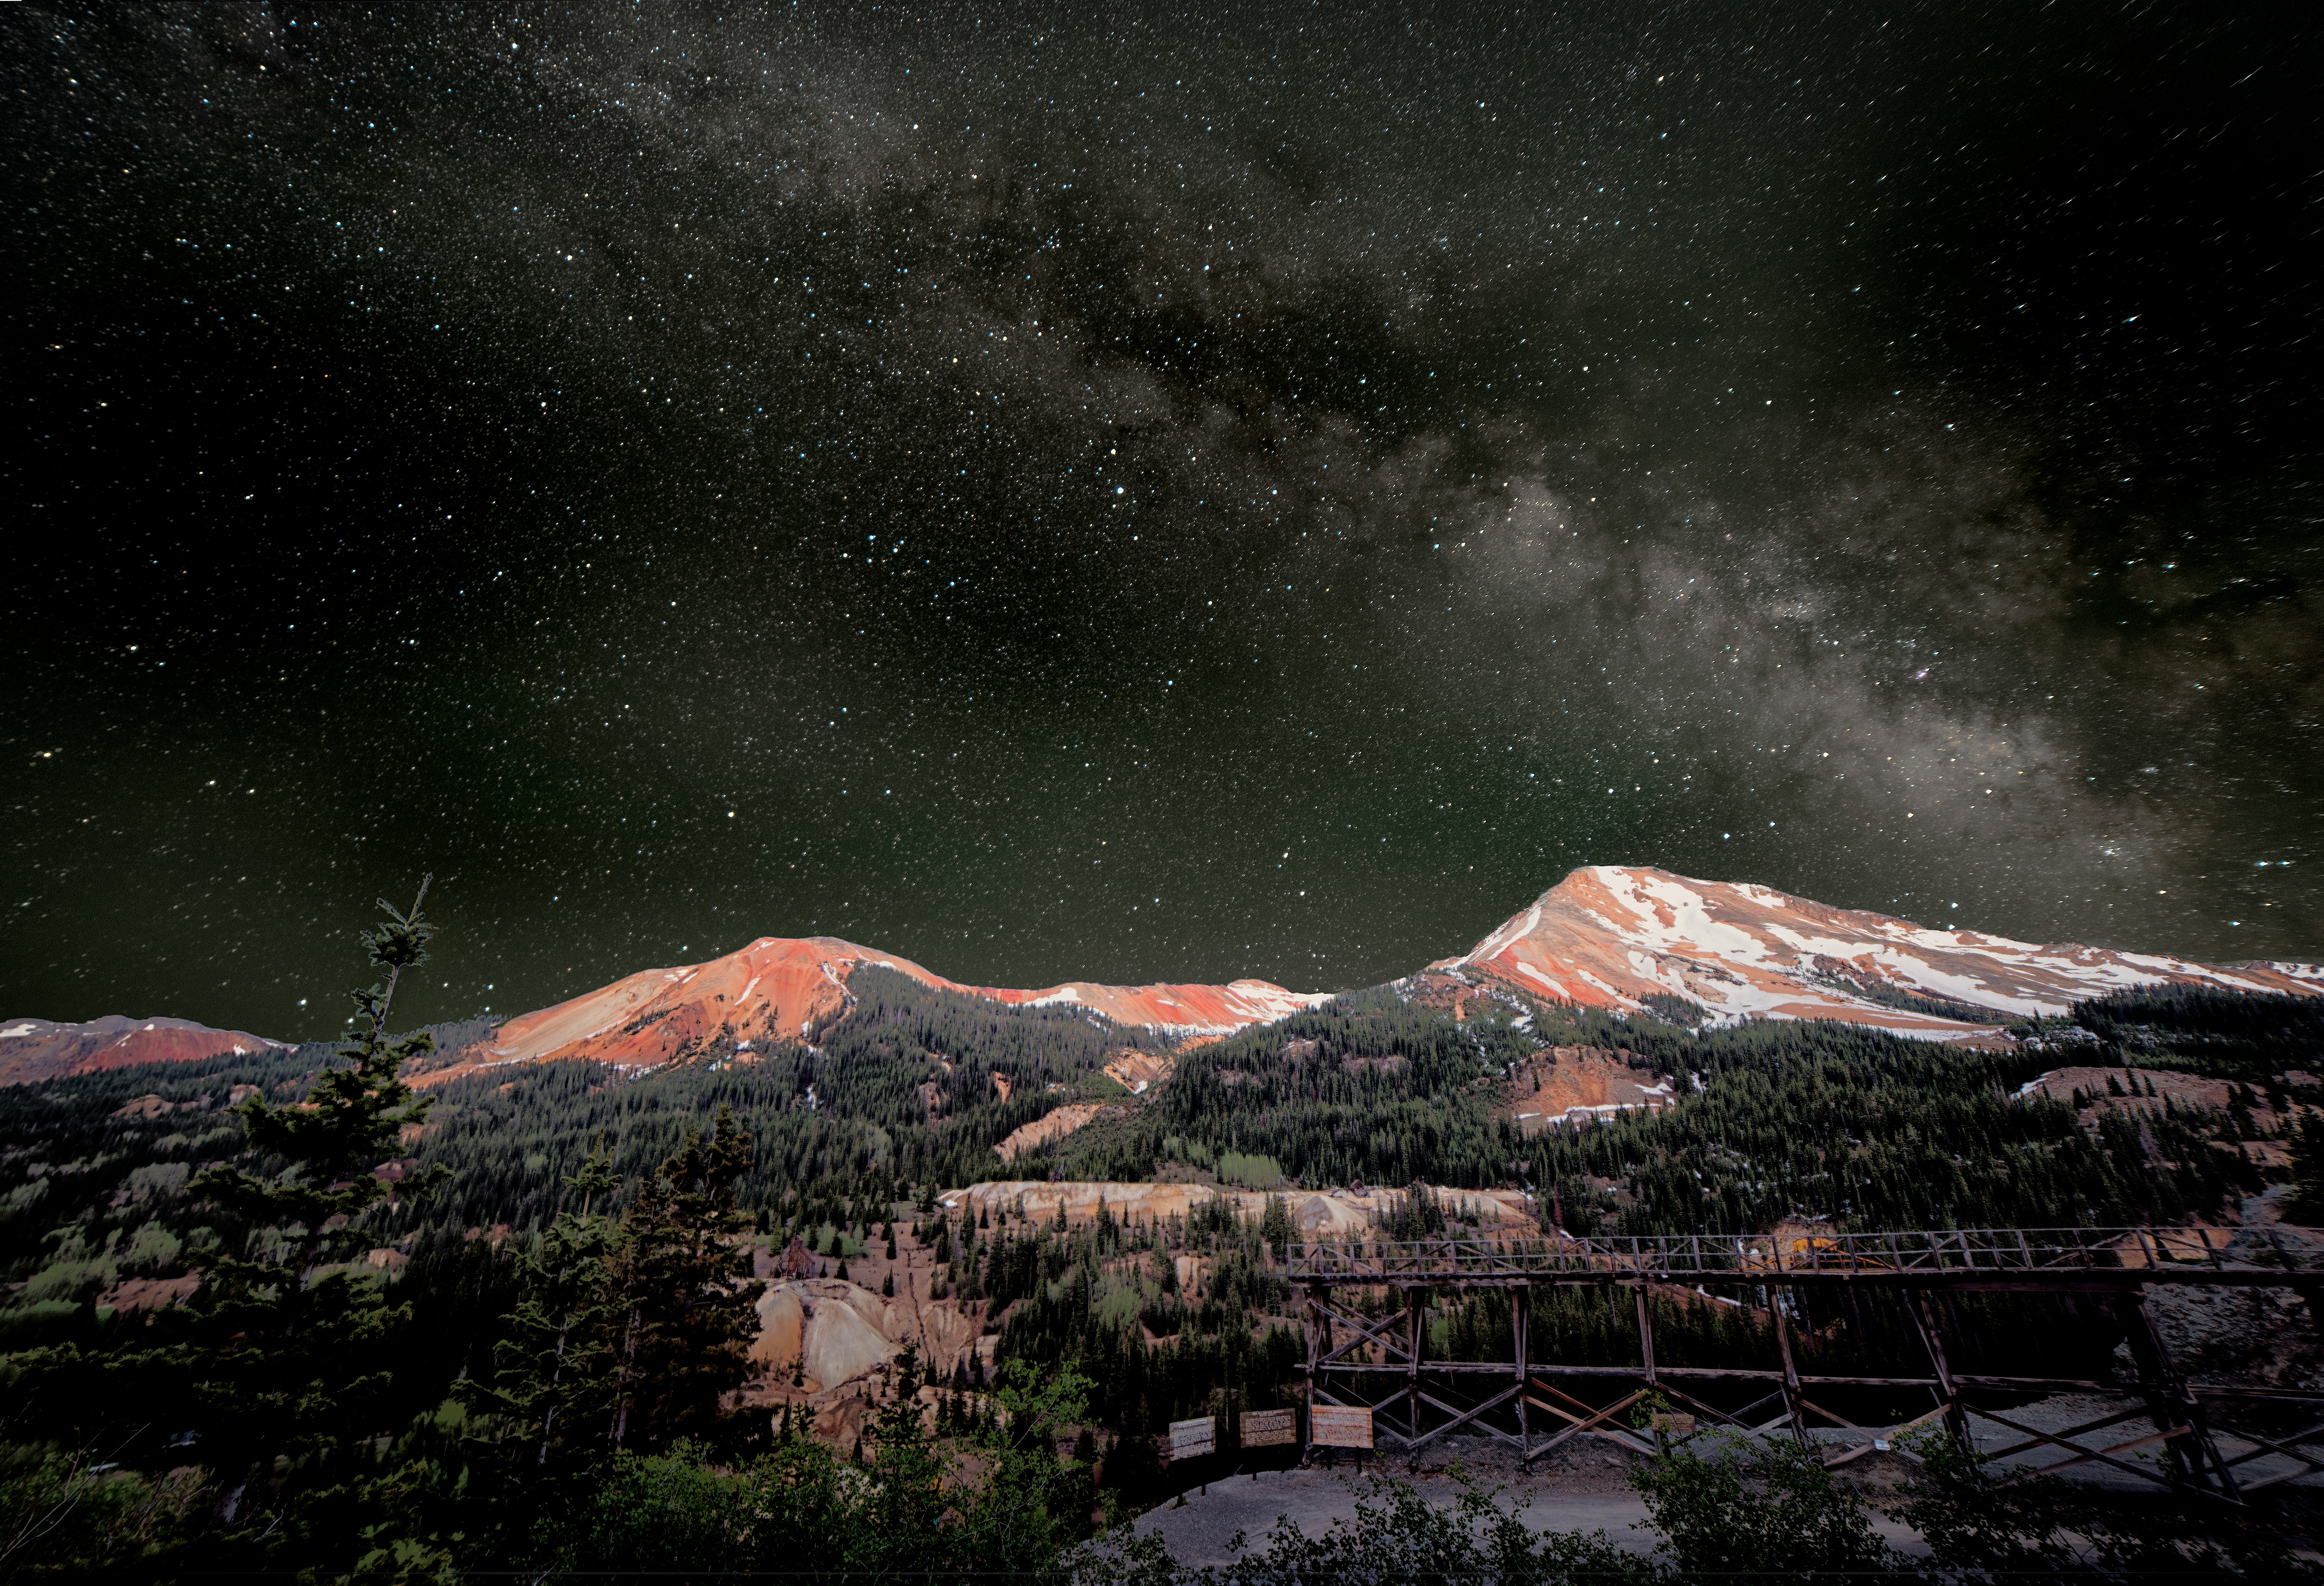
{"x":281,"y":1315}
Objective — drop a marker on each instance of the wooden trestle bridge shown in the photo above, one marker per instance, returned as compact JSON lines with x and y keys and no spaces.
{"x":2199,"y":1439}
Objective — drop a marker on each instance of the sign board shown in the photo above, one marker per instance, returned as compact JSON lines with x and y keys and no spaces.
{"x":1189,"y":1439}
{"x":1674,"y":1425}
{"x":1270,"y":1428}
{"x":1330,"y":1426}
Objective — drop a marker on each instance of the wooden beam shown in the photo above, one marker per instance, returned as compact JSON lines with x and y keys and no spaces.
{"x":1463,"y":1417}
{"x":1646,"y":1334}
{"x":1791,"y":1372}
{"x":2104,"y":1456}
{"x":1379,"y":1335}
{"x":1520,"y":1312}
{"x":1593,"y":1423}
{"x":1924,"y":1318}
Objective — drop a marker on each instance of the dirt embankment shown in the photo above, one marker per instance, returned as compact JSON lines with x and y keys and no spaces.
{"x":2143,"y":1091}
{"x":1054,"y":1125}
{"x":1139,"y":1071}
{"x":1335,"y":1213}
{"x":1581,"y":1084}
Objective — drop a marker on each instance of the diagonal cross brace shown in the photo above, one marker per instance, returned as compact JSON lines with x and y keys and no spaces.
{"x":2105,"y":1456}
{"x":1379,"y":1334}
{"x":2287,"y":1448}
{"x":1595,"y":1422}
{"x":1463,"y":1417}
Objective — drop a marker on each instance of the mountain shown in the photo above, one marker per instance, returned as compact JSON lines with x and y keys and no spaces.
{"x":34,"y":1049}
{"x":1606,"y":937}
{"x":1613,"y":937}
{"x":782,"y":989}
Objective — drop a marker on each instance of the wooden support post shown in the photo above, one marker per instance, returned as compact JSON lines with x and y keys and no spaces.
{"x":2169,"y":1400}
{"x":2138,"y":1333}
{"x":1319,"y":1335}
{"x":1646,"y":1335}
{"x":1924,"y":1317}
{"x":1415,"y":1301}
{"x":1791,"y":1371}
{"x":1520,"y":1319}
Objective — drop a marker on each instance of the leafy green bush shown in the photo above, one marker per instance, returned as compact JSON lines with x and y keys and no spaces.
{"x":1767,"y":1508}
{"x":1395,"y":1538}
{"x":1983,"y":1521}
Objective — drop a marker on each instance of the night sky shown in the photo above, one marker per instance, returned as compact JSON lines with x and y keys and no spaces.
{"x":1143,"y":495}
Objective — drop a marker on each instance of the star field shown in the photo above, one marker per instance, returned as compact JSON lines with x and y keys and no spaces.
{"x":1141,"y":495}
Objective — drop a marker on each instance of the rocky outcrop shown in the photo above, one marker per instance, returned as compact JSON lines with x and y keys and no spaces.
{"x":830,"y":1334}
{"x":1139,"y":1071}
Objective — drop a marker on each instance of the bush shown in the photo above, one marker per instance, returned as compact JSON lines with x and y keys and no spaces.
{"x":1396,"y":1538}
{"x":1760,"y":1508}
{"x":44,"y":1322}
{"x":1980,"y":1523}
{"x":70,"y":1516}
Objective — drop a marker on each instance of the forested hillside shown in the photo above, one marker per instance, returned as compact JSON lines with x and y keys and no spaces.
{"x":910,"y":1093}
{"x":150,"y":1217}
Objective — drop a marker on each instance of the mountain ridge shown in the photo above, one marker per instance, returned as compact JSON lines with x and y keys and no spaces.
{"x":1610,"y":936}
{"x":1613,"y":937}
{"x":34,"y":1049}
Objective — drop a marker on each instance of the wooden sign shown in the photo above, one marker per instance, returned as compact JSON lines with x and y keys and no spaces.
{"x":1270,"y":1428}
{"x":1330,"y":1426}
{"x":1189,"y":1439}
{"x":1674,"y":1425}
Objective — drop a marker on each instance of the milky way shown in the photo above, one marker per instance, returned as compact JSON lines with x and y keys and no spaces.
{"x":1143,"y":496}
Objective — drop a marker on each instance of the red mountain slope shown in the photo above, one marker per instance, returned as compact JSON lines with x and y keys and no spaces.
{"x":1609,"y":936}
{"x":33,"y":1049}
{"x":781,"y":989}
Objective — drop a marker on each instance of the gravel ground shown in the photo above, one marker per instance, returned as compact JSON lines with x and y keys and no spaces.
{"x":1584,"y":1486}
{"x":2053,"y":1415}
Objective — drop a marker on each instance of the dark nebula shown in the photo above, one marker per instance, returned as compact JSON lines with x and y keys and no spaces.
{"x":1126,"y":497}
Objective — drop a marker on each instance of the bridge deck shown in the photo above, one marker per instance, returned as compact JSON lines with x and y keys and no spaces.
{"x":2043,"y":1257}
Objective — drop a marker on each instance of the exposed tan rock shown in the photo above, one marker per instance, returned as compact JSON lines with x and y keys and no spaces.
{"x":150,"y":1293}
{"x":1139,"y":1071}
{"x":839,"y":1332}
{"x":1050,"y":1126}
{"x":835,"y":1331}
{"x":1337,"y":1213}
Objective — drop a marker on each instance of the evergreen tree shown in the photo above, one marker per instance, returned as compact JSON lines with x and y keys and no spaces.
{"x":542,"y":1418}
{"x":277,"y":1375}
{"x":679,"y":1300}
{"x":2307,"y":1206}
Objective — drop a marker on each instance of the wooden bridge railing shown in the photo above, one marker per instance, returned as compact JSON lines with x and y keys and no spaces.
{"x":1916,"y":1256}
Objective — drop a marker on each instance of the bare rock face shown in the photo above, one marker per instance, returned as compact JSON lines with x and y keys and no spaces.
{"x":1611,"y":936}
{"x":835,"y":1334}
{"x":1570,"y":1083}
